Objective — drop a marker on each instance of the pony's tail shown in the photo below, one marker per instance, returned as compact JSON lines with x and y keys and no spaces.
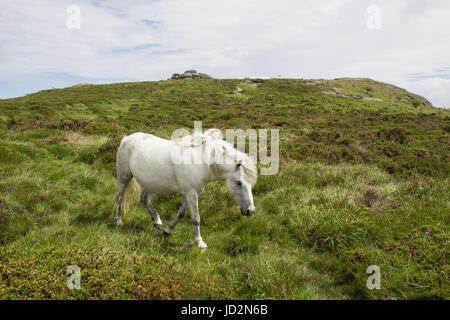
{"x":132,"y":191}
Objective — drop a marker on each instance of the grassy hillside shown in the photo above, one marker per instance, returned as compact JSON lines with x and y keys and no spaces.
{"x":364,"y":180}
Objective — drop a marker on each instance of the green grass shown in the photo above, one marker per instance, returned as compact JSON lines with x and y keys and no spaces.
{"x":360,"y":183}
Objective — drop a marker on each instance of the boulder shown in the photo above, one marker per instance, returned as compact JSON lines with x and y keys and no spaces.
{"x":84,"y":84}
{"x":372,"y":99}
{"x":186,"y":76}
{"x":190,"y":74}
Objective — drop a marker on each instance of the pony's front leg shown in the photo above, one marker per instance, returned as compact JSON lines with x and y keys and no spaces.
{"x":181,"y":212}
{"x":193,"y":207}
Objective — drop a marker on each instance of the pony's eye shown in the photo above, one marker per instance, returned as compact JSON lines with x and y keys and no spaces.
{"x":238,"y":183}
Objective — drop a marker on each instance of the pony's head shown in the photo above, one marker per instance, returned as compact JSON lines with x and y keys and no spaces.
{"x":238,"y":169}
{"x":240,"y":178}
{"x":240,"y":173}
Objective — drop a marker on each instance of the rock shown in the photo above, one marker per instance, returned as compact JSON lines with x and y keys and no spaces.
{"x":411,"y":98}
{"x":250,"y":84}
{"x":337,"y":91}
{"x":372,"y":99}
{"x":81,"y":85}
{"x":186,"y":76}
{"x":355,"y":79}
{"x":360,"y":97}
{"x":190,"y":74}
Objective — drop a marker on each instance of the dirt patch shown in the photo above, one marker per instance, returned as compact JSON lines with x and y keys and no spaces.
{"x":374,"y":199}
{"x":67,"y":125}
{"x":393,"y":135}
{"x":78,"y":139}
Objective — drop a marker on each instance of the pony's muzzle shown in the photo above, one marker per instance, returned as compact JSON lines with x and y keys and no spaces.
{"x":248,"y":212}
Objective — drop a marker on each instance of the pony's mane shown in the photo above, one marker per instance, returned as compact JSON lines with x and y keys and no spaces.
{"x":215,"y":137}
{"x":196,"y":139}
{"x":250,"y":169}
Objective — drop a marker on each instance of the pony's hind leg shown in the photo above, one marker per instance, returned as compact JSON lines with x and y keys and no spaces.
{"x":146,"y":199}
{"x":119,"y":198}
{"x":181,"y":212}
{"x":124,"y":175}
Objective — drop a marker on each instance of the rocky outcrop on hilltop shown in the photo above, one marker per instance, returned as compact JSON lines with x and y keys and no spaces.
{"x":190,"y":74}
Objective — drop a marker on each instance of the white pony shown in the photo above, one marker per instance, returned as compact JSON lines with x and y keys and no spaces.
{"x":162,"y":166}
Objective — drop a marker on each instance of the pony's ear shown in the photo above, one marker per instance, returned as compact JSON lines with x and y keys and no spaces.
{"x":215,"y":134}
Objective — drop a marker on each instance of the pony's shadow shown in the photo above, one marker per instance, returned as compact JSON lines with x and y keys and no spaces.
{"x":141,"y":224}
{"x":135,"y":227}
{"x":130,"y":228}
{"x":173,"y":248}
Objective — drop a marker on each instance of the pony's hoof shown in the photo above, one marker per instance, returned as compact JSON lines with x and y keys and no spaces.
{"x":158,"y":226}
{"x":202,"y":245}
{"x":119,"y":223}
{"x":167,"y":231}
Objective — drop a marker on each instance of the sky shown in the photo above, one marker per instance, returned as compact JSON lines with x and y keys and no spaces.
{"x":55,"y":44}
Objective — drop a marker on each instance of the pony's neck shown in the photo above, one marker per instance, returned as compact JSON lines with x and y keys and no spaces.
{"x":221,"y":152}
{"x":218,"y":172}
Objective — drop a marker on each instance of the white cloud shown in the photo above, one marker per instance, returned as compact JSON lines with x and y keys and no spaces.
{"x":143,"y":40}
